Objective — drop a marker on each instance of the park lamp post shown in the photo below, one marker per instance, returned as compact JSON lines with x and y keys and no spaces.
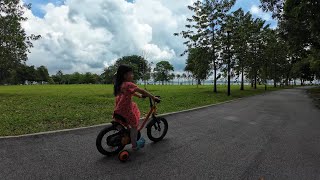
{"x":228,"y":30}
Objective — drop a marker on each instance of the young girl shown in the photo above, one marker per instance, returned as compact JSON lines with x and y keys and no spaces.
{"x":124,"y":89}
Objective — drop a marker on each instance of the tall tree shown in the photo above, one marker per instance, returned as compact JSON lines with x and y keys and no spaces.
{"x":198,"y":63}
{"x":184,"y":77}
{"x":299,"y":26}
{"x":204,"y":27}
{"x":14,"y":42}
{"x":178,"y":77}
{"x":172,"y":77}
{"x":242,"y":28}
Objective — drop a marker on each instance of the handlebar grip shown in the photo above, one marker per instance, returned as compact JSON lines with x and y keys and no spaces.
{"x":158,"y":101}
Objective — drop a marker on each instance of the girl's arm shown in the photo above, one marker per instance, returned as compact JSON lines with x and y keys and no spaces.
{"x":146,"y":93}
{"x":137,"y":95}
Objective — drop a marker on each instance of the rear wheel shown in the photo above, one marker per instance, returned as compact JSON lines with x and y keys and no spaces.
{"x":102,"y":141}
{"x":158,"y":129}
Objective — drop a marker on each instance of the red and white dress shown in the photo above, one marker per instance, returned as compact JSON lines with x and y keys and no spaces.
{"x":126,"y":107}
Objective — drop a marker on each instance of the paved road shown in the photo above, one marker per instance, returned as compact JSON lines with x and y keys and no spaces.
{"x":275,"y":135}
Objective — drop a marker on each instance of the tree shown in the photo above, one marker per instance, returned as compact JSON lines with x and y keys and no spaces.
{"x":204,"y":28}
{"x":178,"y":77}
{"x":315,"y":62}
{"x":171,"y":77}
{"x":139,"y":64}
{"x":299,"y":27}
{"x":75,"y":78}
{"x":303,"y":71}
{"x":275,"y":6}
{"x":14,"y":42}
{"x":289,"y":12}
{"x":184,"y":76}
{"x":242,"y":28}
{"x":89,"y":78}
{"x":43,"y":73}
{"x":154,"y":77}
{"x":58,"y":78}
{"x":108,"y":74}
{"x":162,"y":71}
{"x":256,"y":45}
{"x":198,"y":63}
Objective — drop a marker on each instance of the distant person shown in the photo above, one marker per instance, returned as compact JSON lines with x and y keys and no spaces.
{"x":124,"y":89}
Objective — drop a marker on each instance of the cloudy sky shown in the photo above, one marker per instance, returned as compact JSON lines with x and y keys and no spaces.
{"x":88,"y":35}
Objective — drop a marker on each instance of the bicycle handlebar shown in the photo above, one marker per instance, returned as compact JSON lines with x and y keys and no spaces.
{"x":151,"y":104}
{"x":157,"y":101}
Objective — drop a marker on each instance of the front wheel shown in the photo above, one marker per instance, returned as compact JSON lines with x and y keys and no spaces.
{"x":157,"y":129}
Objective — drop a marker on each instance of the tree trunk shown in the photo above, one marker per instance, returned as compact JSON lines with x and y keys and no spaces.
{"x":242,"y":78}
{"x":251,"y":83}
{"x":266,"y":78}
{"x":199,"y":82}
{"x":274,"y":76}
{"x":215,"y":78}
{"x":265,"y":83}
{"x":255,"y":80}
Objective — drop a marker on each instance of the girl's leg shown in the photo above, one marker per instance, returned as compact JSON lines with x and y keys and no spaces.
{"x":133,"y":135}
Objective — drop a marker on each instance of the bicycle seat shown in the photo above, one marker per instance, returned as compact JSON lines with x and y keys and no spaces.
{"x":119,"y":117}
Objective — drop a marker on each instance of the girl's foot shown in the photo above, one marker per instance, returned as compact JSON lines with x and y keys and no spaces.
{"x":140,"y":144}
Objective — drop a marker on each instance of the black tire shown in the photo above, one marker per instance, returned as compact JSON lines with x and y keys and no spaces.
{"x":100,"y":138}
{"x":162,"y":122}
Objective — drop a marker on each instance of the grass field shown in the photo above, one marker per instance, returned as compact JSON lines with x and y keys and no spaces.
{"x":30,"y":109}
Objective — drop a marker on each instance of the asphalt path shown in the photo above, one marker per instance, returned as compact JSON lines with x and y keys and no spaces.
{"x":275,"y":135}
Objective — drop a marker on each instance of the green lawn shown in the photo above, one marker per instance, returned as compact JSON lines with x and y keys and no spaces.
{"x":30,"y":109}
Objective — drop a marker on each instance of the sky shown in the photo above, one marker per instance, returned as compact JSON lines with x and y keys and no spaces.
{"x":89,"y":35}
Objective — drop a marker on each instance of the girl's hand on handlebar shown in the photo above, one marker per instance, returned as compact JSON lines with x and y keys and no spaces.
{"x":156,"y":99}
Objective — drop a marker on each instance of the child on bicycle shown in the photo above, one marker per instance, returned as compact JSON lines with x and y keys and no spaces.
{"x":124,"y":90}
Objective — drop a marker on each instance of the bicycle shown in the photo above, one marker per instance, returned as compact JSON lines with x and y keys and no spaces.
{"x":120,"y":137}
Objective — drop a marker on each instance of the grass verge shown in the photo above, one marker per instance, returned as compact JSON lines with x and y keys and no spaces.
{"x":315,"y":95}
{"x":31,"y":109}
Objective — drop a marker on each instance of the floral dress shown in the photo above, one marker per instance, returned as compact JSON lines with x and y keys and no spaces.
{"x":126,"y":107}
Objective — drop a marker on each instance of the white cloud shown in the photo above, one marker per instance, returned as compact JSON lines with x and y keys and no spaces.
{"x":255,"y":10}
{"x":87,"y":35}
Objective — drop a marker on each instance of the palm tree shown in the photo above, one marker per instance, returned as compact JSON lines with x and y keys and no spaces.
{"x":184,"y":76}
{"x":178,"y":77}
{"x":191,"y":77}
{"x":172,"y":76}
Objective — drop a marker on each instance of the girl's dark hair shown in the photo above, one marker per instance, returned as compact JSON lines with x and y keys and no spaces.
{"x":119,"y":78}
